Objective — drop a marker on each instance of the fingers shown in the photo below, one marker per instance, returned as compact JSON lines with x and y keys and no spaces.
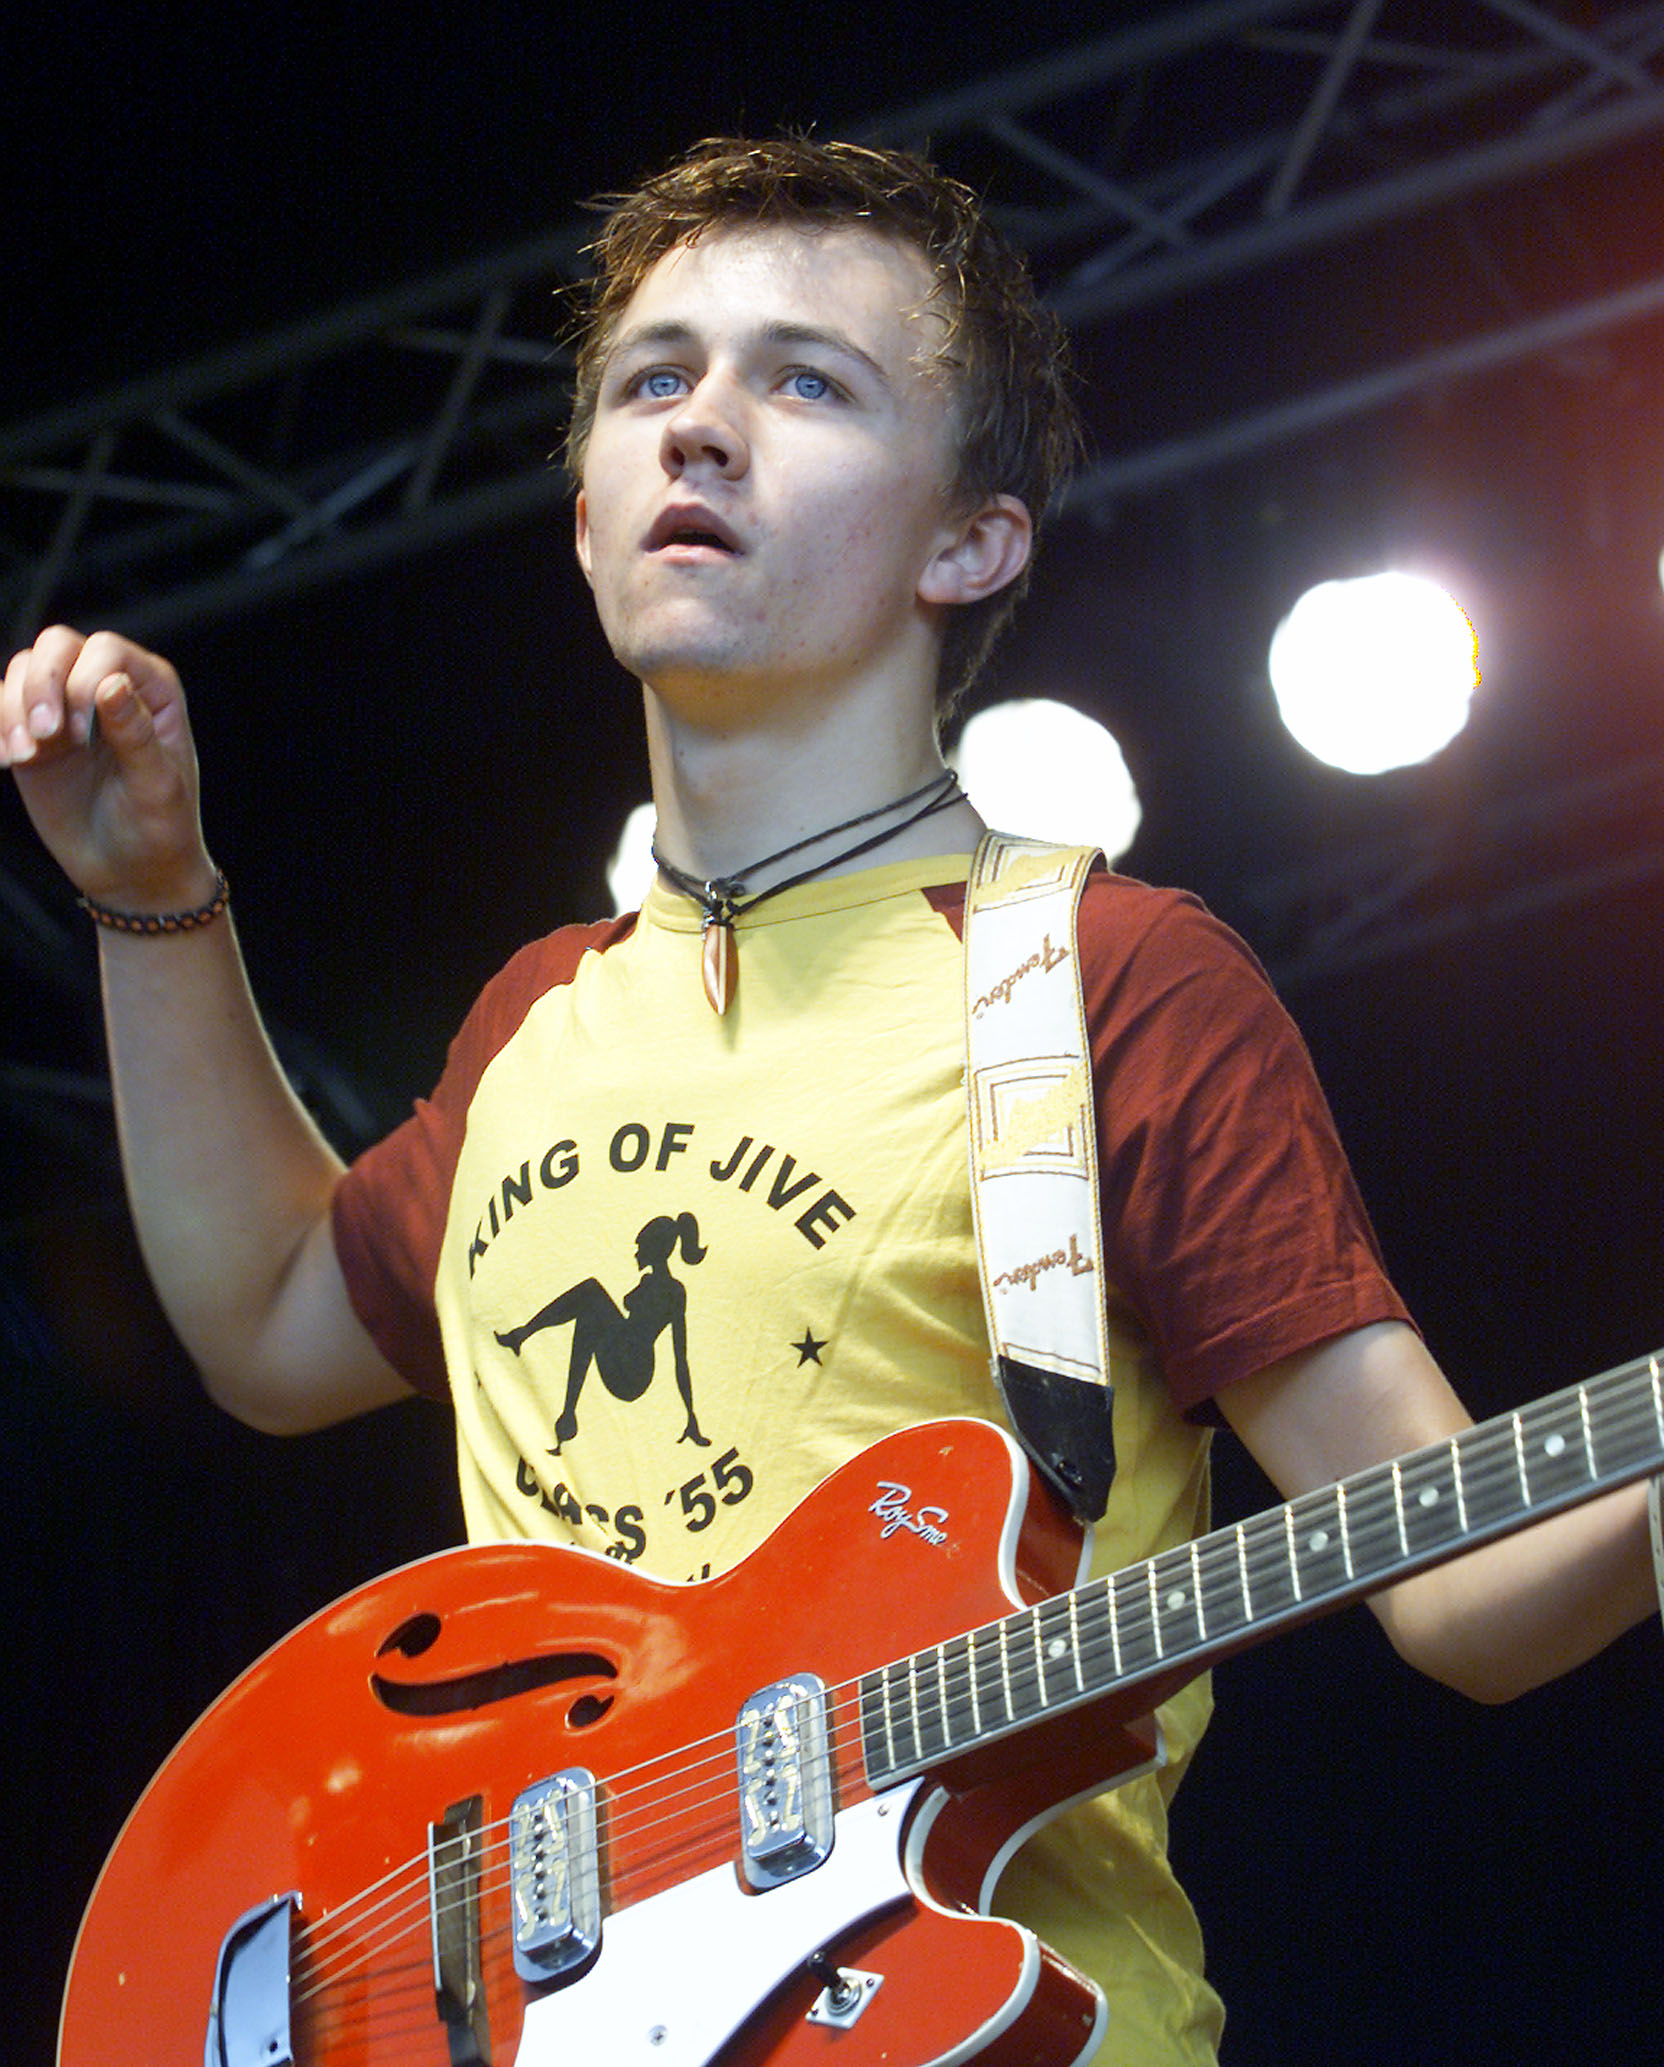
{"x":36,"y":705}
{"x":53,"y":688}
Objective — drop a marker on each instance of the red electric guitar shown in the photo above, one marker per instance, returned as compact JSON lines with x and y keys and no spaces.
{"x":523,"y":1805}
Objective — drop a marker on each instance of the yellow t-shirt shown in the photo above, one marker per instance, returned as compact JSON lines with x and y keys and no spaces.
{"x":827,"y":1293}
{"x":688,"y":1265}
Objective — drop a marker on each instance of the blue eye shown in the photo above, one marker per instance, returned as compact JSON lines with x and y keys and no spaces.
{"x":659,"y":383}
{"x":808,"y":385}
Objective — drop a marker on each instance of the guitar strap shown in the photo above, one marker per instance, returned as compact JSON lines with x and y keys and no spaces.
{"x":1034,"y":1161}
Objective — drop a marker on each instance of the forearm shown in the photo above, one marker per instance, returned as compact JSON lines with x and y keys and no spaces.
{"x":1493,"y":1622}
{"x":1520,"y":1612}
{"x":230,"y":1181}
{"x":226,"y":1174}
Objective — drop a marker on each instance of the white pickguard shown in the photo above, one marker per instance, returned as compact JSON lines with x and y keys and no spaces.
{"x":679,"y":1973}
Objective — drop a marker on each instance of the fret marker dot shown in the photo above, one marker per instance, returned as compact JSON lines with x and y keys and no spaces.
{"x":1555,"y":1445}
{"x":1056,"y":1648}
{"x":1318,"y":1540}
{"x":1175,"y":1599}
{"x":1429,"y":1496}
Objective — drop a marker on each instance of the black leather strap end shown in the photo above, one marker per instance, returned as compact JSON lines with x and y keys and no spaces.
{"x":1065,"y":1426}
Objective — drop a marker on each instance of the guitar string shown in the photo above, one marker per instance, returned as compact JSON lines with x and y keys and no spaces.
{"x":414,"y":1913}
{"x":412,"y":1875}
{"x":1273,"y":1526}
{"x":1485,"y":1457}
{"x":1488,"y":1463}
{"x":622,"y":1825}
{"x":414,"y":1871}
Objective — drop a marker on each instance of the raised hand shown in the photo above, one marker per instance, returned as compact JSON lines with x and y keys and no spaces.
{"x":95,"y":732}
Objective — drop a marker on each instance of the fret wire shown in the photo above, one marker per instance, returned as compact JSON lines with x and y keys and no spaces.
{"x":942,"y":1692}
{"x":1500,"y":1454}
{"x":1155,"y":1609}
{"x":1456,"y":1480}
{"x":1293,"y":1557}
{"x":1039,"y":1660}
{"x":913,"y":1704}
{"x":1242,"y":1572}
{"x":1481,"y":1462}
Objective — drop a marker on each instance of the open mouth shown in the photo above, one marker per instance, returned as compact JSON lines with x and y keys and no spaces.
{"x":699,"y":538}
{"x":693,"y":532}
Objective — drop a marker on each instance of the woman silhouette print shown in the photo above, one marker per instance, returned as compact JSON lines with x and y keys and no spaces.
{"x":622,"y":1346}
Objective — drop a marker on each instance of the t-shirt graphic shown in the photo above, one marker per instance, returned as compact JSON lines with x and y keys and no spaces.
{"x":621,"y":1346}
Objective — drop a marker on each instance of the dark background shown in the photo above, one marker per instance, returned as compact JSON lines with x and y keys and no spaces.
{"x":409,"y":774}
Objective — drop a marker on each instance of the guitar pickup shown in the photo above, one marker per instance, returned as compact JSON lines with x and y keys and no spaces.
{"x":554,"y":1875}
{"x":785,"y":1781}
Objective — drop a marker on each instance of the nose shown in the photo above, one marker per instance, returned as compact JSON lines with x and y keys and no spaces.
{"x":706,"y":432}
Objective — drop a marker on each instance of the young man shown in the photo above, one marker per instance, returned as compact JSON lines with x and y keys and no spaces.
{"x":686,"y":1224}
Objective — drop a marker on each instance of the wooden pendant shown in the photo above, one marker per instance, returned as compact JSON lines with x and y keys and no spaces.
{"x":718,"y":964}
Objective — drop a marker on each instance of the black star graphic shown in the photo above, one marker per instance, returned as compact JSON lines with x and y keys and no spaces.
{"x":808,"y":1350}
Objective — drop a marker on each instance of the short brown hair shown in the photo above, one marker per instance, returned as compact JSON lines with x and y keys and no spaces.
{"x":1005,"y":352}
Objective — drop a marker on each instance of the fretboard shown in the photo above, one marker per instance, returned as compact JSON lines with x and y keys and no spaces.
{"x":1186,"y":1609}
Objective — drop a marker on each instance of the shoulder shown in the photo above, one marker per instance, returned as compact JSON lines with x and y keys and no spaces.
{"x":1144,"y":948}
{"x":539,"y":967}
{"x":1122,"y":918}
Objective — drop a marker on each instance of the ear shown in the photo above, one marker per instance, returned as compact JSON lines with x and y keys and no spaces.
{"x":985,"y":551}
{"x":580,"y":534}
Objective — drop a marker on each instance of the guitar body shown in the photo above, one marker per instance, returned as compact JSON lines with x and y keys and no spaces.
{"x":473,"y":1675}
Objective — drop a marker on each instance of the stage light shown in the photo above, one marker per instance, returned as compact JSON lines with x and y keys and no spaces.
{"x":1031,"y":766}
{"x":1375,"y":673}
{"x":630,"y":871}
{"x":1038,"y":767}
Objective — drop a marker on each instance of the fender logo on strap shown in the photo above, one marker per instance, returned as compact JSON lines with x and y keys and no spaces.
{"x":1029,"y":1274}
{"x":1044,"y":957}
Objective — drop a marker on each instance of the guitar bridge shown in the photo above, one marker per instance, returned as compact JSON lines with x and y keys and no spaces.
{"x":785,"y":1781}
{"x":454,"y":1905}
{"x":554,"y":1875}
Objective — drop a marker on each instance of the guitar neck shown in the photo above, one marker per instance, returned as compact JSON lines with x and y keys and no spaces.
{"x":1186,"y":1609}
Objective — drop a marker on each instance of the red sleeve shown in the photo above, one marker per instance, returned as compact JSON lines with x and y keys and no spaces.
{"x":1231,"y":1218}
{"x":390,"y":1208}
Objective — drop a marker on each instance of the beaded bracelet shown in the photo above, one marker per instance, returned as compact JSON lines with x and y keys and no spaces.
{"x":161,"y":922}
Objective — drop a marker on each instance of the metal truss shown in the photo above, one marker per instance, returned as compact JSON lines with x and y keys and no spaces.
{"x":1548,"y":850}
{"x":1197,"y":147}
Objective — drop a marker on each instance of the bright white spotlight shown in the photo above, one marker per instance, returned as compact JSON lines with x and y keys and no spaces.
{"x":1376,"y":673}
{"x":1037,"y":767}
{"x":631,"y":870}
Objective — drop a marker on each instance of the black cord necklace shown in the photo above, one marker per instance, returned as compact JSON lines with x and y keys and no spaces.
{"x":724,"y":898}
